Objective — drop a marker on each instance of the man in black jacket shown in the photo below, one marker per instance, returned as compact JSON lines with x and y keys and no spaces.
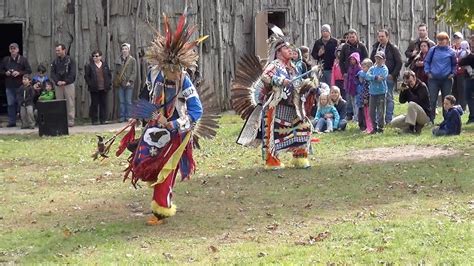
{"x":63,"y":74}
{"x":393,"y":61}
{"x":415,"y":93}
{"x":13,"y":67}
{"x":468,"y":63}
{"x":324,"y":50}
{"x":413,"y":48}
{"x":351,"y":46}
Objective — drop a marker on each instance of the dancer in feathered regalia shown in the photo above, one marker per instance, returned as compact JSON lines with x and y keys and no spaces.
{"x":272,"y":100}
{"x":174,"y":116}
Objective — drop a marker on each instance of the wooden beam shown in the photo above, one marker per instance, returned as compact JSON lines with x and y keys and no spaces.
{"x":350,"y":14}
{"x":27,"y":28}
{"x":412,"y":16}
{"x":397,"y":15}
{"x":368,"y":25}
{"x":220,"y":55}
{"x":382,"y":17}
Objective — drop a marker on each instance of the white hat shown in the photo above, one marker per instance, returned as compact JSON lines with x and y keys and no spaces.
{"x":326,"y":27}
{"x":126,"y":45}
{"x":459,"y":35}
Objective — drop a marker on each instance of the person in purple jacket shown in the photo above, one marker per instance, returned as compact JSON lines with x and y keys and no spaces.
{"x":440,"y":66}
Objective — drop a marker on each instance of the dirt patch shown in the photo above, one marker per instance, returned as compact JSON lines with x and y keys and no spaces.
{"x":401,"y":153}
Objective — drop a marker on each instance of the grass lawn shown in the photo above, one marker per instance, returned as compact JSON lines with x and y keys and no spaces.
{"x":58,"y":206}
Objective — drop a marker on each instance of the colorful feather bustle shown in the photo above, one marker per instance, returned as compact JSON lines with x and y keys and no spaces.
{"x":206,"y":127}
{"x":246,"y":85}
{"x":175,"y":49}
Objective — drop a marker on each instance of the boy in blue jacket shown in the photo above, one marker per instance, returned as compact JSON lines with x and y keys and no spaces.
{"x":451,"y":124}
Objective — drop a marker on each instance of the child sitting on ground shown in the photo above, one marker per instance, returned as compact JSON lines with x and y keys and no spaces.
{"x":25,"y":96}
{"x":451,"y":124}
{"x":326,"y":118}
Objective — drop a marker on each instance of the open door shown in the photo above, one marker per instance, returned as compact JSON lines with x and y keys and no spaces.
{"x":262,"y":31}
{"x":261,"y":34}
{"x":11,"y":32}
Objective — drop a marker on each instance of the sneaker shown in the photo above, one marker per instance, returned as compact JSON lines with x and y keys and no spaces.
{"x":469,"y":121}
{"x":11,"y":125}
{"x":379,"y":130}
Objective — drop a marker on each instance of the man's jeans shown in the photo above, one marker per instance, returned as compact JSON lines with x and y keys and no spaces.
{"x":389,"y":101}
{"x":125,"y":99}
{"x":469,"y":90}
{"x":327,"y":77}
{"x":434,"y":86}
{"x":12,"y":105}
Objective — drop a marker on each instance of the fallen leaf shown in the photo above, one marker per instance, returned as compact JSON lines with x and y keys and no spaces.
{"x":262,"y":254}
{"x":213,"y":249}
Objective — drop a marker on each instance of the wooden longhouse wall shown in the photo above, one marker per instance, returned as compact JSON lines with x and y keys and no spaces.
{"x":85,"y":25}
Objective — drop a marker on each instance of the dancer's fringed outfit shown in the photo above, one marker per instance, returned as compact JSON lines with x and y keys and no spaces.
{"x":174,"y":119}
{"x":272,"y":100}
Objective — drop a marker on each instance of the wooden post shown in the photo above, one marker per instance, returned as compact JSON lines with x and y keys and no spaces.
{"x":397,"y":15}
{"x":350,"y":14}
{"x":107,"y":42}
{"x":382,"y":17}
{"x":426,"y":13}
{"x":335,"y":30}
{"x":304,"y":22}
{"x":412,"y":14}
{"x":221,"y":94}
{"x":368,"y":25}
{"x":52,"y":30}
{"x":319,"y":16}
{"x":77,"y":42}
{"x":27,"y":28}
{"x":201,"y":26}
{"x":137,"y":84}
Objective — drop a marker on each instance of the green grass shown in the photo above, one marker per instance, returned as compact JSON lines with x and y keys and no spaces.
{"x":57,"y":206}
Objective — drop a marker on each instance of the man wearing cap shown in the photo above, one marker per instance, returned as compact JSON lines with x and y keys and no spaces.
{"x":324,"y":50}
{"x":63,"y":75}
{"x":124,"y":81}
{"x":440,"y":66}
{"x":413,"y":48}
{"x":458,"y":81}
{"x":393,"y":61}
{"x":13,"y":67}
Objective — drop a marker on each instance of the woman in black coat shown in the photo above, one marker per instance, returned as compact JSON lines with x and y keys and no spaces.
{"x":99,"y":81}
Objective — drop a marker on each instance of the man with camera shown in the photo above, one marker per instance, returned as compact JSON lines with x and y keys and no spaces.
{"x":415,"y":93}
{"x":13,"y":67}
{"x":63,"y":75}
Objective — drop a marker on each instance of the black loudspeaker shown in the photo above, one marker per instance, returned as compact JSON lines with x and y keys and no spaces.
{"x":52,"y":118}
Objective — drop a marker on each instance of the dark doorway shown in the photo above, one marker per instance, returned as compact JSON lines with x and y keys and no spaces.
{"x":277,"y":18}
{"x":11,"y":32}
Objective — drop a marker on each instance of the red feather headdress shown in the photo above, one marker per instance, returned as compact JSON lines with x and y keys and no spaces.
{"x":174,"y":51}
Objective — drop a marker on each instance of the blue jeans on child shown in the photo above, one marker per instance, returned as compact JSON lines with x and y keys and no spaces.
{"x":377,"y":111}
{"x":125,"y":99}
{"x":323,"y":124}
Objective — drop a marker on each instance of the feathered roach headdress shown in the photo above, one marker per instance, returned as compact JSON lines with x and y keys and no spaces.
{"x":275,"y":41}
{"x":174,"y":51}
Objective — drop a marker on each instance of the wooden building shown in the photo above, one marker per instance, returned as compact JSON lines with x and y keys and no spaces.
{"x":234,"y":26}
